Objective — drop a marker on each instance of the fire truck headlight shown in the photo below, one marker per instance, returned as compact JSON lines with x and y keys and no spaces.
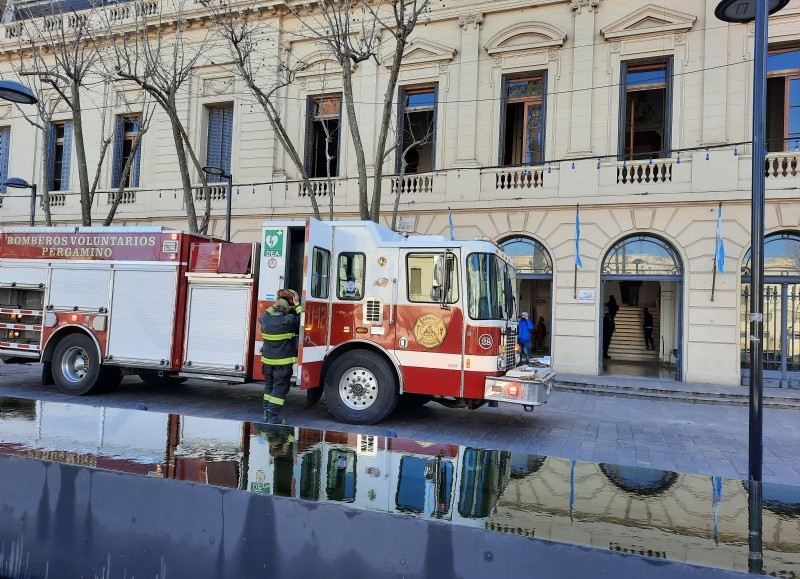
{"x":501,"y":363}
{"x":50,"y":320}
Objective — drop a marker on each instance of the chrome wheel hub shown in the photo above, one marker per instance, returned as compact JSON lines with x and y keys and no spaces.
{"x":358,"y":388}
{"x":75,"y":364}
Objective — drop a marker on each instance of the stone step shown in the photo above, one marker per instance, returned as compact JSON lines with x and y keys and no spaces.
{"x":675,"y":395}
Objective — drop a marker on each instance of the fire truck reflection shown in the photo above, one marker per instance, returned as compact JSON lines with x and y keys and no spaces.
{"x":425,"y":480}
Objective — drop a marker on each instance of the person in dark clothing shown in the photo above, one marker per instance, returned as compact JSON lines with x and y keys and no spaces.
{"x":608,"y":331}
{"x":635,"y":286}
{"x":648,"y":330}
{"x":279,"y":327}
{"x":524,"y":329}
{"x":612,"y":306}
{"x":540,"y":333}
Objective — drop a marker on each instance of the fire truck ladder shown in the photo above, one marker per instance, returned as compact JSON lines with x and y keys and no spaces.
{"x":21,"y":319}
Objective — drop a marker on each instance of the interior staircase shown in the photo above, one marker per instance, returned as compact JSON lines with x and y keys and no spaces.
{"x":627,"y":343}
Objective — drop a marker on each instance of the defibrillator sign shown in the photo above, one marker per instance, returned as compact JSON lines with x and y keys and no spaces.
{"x":273,"y":242}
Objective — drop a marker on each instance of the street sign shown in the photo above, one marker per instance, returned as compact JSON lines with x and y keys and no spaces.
{"x":744,"y":10}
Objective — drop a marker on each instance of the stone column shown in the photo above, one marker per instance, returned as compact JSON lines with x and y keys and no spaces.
{"x":667,"y":319}
{"x":468,"y":89}
{"x":580,"y":142}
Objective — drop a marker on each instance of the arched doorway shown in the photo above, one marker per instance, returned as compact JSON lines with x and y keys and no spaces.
{"x":781,"y":311}
{"x":534,"y":284}
{"x":644,"y":274}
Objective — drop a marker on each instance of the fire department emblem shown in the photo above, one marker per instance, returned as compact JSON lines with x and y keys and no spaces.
{"x":430,"y":331}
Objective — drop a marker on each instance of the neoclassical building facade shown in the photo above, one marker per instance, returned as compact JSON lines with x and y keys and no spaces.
{"x":632,"y":116}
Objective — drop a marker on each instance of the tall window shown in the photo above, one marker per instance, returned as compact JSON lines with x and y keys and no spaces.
{"x":646,"y":114}
{"x":523,"y":125}
{"x":126,"y":131}
{"x":322,"y":136}
{"x":60,"y":152}
{"x":220,"y":139}
{"x":5,"y":138}
{"x":416,"y":122}
{"x":783,"y":100}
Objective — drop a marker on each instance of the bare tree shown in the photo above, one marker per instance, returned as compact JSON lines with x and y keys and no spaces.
{"x":155,"y":54}
{"x":248,"y":38}
{"x":351,"y":32}
{"x":62,"y":53}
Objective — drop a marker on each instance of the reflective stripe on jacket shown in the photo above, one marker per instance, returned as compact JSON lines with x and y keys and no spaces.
{"x":279,"y":331}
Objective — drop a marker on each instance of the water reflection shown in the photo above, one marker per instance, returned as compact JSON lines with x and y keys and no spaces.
{"x":682,"y":517}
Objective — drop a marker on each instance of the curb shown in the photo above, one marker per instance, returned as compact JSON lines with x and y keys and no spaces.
{"x":674,"y":395}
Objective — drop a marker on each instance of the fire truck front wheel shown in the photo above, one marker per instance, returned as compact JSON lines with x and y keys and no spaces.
{"x":76,"y":365}
{"x":361,"y":388}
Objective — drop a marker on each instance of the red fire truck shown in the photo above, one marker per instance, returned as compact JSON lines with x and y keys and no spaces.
{"x":385,"y":316}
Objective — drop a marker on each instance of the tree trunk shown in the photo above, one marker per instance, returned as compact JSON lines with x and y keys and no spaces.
{"x":358,"y":145}
{"x":386,"y":116}
{"x":44,"y":187}
{"x":80,"y":154}
{"x":183,"y":167}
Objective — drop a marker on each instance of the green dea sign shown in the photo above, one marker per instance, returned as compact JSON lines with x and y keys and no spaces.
{"x":273,"y":243}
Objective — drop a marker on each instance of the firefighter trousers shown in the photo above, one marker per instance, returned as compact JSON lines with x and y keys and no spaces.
{"x":276,"y":386}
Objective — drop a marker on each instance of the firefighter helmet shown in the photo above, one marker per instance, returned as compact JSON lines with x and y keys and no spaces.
{"x":290,"y":296}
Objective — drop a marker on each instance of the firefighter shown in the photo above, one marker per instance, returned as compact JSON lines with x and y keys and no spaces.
{"x":279,"y":327}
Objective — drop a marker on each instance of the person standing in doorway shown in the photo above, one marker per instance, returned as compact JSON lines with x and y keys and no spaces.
{"x":608,"y":331}
{"x":279,"y":326}
{"x":524,"y":329}
{"x":648,"y":330}
{"x":634,"y":293}
{"x":612,"y":306}
{"x":540,"y":333}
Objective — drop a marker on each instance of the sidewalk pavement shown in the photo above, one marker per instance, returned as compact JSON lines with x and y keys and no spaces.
{"x":670,"y":390}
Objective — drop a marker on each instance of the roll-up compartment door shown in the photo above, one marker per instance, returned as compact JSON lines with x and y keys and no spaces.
{"x":23,"y":275}
{"x":84,"y":288}
{"x":142,"y":317}
{"x":217,"y":327}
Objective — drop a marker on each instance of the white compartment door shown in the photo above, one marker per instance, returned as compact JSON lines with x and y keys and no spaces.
{"x":217,"y":327}
{"x":142,"y":317}
{"x":23,"y":275}
{"x":83,"y":287}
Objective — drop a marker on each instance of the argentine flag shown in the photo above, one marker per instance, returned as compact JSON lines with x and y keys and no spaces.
{"x":719,"y":249}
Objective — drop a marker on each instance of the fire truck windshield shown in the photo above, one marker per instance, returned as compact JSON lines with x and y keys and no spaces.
{"x":488,"y":278}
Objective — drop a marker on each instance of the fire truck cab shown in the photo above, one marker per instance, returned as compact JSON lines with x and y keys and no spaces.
{"x":386,"y":317}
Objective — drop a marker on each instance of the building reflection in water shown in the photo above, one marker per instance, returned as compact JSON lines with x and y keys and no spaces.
{"x":675,"y":516}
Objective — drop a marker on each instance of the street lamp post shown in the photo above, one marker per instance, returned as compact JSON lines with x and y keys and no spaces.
{"x":18,"y":183}
{"x":218,"y":172}
{"x":746,"y":11}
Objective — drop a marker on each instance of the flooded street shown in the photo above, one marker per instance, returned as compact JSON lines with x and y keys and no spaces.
{"x":102,"y":492}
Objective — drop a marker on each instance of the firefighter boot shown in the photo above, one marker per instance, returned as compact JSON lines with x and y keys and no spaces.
{"x":275,"y":419}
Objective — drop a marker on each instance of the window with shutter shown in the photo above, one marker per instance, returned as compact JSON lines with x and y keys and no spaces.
{"x":220,"y":139}
{"x":417,"y":129}
{"x":5,"y":136}
{"x":60,"y":147}
{"x":323,"y":118}
{"x":126,"y":130}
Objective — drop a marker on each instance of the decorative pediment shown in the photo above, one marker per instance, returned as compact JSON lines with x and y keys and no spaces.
{"x":529,"y":36}
{"x":650,"y":19}
{"x":319,"y":63}
{"x":422,"y":51}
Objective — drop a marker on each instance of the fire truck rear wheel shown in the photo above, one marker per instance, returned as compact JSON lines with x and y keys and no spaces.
{"x":76,"y":365}
{"x":361,"y":388}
